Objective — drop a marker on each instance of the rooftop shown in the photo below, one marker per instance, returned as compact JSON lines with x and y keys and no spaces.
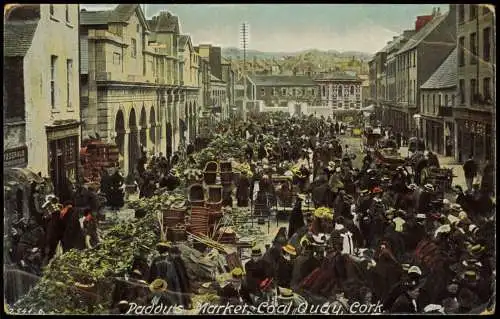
{"x":422,"y":34}
{"x":164,"y":22}
{"x":94,"y":17}
{"x":338,"y":76}
{"x":275,"y":80}
{"x":445,"y":76}
{"x":18,"y":38}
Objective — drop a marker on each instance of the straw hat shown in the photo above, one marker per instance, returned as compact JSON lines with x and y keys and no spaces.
{"x":158,"y":285}
{"x":289,"y":249}
{"x":164,"y":245}
{"x":237,"y":272}
{"x":256,"y":252}
{"x":415,"y":270}
{"x":285,"y":293}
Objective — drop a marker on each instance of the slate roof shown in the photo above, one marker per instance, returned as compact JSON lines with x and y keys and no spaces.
{"x":446,"y":74}
{"x":164,"y":22}
{"x":94,"y":17}
{"x":340,"y":76}
{"x":213,"y":78}
{"x":275,"y":80}
{"x":18,"y":38}
{"x":122,"y":12}
{"x":420,"y":36}
{"x":183,"y":40}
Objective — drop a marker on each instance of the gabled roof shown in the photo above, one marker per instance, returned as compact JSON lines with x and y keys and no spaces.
{"x":18,"y":38}
{"x":164,"y":22}
{"x":94,"y":17}
{"x":121,"y":14}
{"x":183,"y":40}
{"x":422,"y":34}
{"x":445,"y":76}
{"x":276,"y":80}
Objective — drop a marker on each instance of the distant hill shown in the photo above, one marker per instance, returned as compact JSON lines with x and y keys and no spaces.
{"x":235,"y":53}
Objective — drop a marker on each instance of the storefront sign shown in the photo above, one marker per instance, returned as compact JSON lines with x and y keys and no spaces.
{"x":15,"y":157}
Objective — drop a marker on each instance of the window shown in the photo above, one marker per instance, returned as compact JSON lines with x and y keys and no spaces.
{"x":414,"y":58}
{"x":263,"y":92}
{"x":486,"y":43}
{"x":428,"y":102}
{"x":67,"y":13}
{"x":116,"y":58}
{"x":294,"y":92}
{"x":461,"y":51}
{"x":138,"y":28}
{"x":473,"y":91}
{"x":340,"y":90}
{"x":452,"y":100}
{"x":53,"y":63}
{"x":446,"y":100}
{"x":352,"y":89}
{"x":433,"y":100}
{"x":461,"y":13}
{"x":473,"y":48}
{"x":134,"y":48}
{"x":487,"y":88}
{"x":323,"y":90}
{"x":472,"y":11}
{"x":69,"y":82}
{"x":439,"y":100}
{"x":51,"y":10}
{"x":274,"y":92}
{"x":283,"y":91}
{"x":461,"y":87}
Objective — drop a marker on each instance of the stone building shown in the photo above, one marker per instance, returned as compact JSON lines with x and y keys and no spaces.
{"x":41,"y":91}
{"x":139,"y":81}
{"x":437,"y":97}
{"x":229,"y":77}
{"x":339,"y":90}
{"x":476,"y":59}
{"x":417,"y":60}
{"x":218,"y":97}
{"x":279,"y":90}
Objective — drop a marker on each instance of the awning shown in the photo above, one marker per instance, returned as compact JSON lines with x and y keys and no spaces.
{"x":370,"y":108}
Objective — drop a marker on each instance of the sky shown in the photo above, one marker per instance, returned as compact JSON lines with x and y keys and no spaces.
{"x":293,"y":27}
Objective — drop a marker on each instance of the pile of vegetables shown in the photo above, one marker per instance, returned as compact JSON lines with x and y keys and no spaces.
{"x":323,"y":212}
{"x":55,"y":292}
{"x":243,"y":167}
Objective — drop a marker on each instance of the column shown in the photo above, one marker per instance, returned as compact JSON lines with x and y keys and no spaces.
{"x":330,"y":95}
{"x":125,"y":153}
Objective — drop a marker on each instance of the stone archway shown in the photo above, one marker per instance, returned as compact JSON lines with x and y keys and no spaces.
{"x":133,"y":142}
{"x":152,"y":124}
{"x":120,"y":136}
{"x":143,"y":130}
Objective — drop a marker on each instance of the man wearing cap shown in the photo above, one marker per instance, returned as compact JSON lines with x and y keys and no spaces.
{"x":256,"y":270}
{"x":73,"y":236}
{"x":242,"y":190}
{"x":158,"y":291}
{"x":234,"y":292}
{"x":285,"y":265}
{"x":163,"y":266}
{"x":296,"y":221}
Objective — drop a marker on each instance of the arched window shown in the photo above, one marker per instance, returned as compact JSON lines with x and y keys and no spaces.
{"x":339,"y":93}
{"x":352,"y":89}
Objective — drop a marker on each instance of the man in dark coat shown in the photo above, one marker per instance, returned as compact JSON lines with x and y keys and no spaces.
{"x":470,"y":171}
{"x":406,"y":303}
{"x":487,"y":180}
{"x":184,"y":289}
{"x":296,"y":217}
{"x":305,"y":264}
{"x":242,"y":191}
{"x":433,"y":160}
{"x":421,"y":164}
{"x":163,"y":266}
{"x":285,"y":266}
{"x":73,"y":235}
{"x":249,"y":152}
{"x":257,"y":269}
{"x":262,"y":152}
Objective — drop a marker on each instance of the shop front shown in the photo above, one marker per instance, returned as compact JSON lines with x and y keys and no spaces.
{"x":63,"y":153}
{"x":474,"y":138}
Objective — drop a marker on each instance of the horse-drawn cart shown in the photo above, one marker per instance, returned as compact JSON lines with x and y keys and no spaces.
{"x":441,"y":178}
{"x":390,"y":157}
{"x":370,"y":140}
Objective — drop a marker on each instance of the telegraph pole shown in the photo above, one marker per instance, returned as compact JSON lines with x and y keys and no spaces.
{"x":244,"y":44}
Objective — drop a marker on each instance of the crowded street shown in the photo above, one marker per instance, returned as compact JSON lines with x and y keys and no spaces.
{"x":305,"y":223}
{"x":339,"y":160}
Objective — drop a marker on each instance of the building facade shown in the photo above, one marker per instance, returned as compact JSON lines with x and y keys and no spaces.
{"x":339,"y":90}
{"x":218,"y":97}
{"x":139,"y":81}
{"x":476,"y":59}
{"x":437,"y":96}
{"x":41,"y":91}
{"x":417,"y":60}
{"x":278,"y":91}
